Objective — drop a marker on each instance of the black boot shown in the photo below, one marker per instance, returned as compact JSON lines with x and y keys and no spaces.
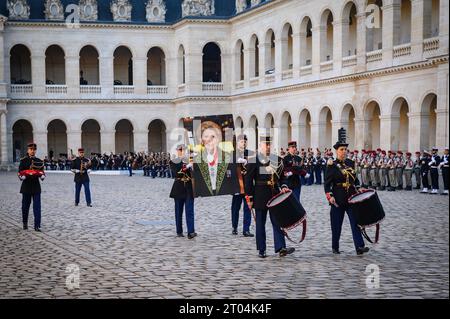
{"x":362,"y":250}
{"x":248,"y":234}
{"x":234,"y":232}
{"x":286,"y":251}
{"x":25,"y":226}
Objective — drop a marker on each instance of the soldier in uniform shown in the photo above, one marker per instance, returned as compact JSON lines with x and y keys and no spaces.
{"x":424,"y":169}
{"x":408,"y":171}
{"x":364,"y":169}
{"x":382,"y":170}
{"x":242,"y":155}
{"x":319,"y":162}
{"x":373,"y":170}
{"x":434,"y":172}
{"x":293,"y":170}
{"x":80,"y":167}
{"x":31,"y":187}
{"x":444,"y":168}
{"x":262,"y":182}
{"x":182,"y":192}
{"x":341,"y":182}
{"x":392,"y":165}
{"x":399,"y":169}
{"x":417,"y":170}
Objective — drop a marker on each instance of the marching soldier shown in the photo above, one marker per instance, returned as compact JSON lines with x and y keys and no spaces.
{"x":262,"y":182}
{"x":392,"y":166}
{"x":182,"y":192}
{"x":434,"y":172}
{"x":417,"y":170}
{"x":80,"y":167}
{"x":444,"y":168}
{"x":341,"y":182}
{"x":31,"y":187}
{"x":424,"y":169}
{"x":293,"y":170}
{"x":242,"y":157}
{"x":408,"y":171}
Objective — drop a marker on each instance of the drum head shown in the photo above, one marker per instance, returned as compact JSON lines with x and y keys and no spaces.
{"x":279,"y":199}
{"x":357,"y":198}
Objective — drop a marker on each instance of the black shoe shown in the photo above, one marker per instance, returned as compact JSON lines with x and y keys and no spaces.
{"x":38,"y":229}
{"x":180,"y":235}
{"x":417,"y":187}
{"x":286,"y":251}
{"x":262,"y":254}
{"x":89,"y":205}
{"x":336,"y":252}
{"x":25,"y":227}
{"x":234,"y":232}
{"x":408,"y":188}
{"x":400,"y":188}
{"x":192,"y":235}
{"x":76,"y":204}
{"x":362,"y":250}
{"x":382,"y":188}
{"x":248,"y":234}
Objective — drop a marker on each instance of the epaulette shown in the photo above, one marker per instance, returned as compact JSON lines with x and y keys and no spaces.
{"x":23,"y":158}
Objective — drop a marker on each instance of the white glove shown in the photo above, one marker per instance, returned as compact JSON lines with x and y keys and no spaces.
{"x":89,"y":170}
{"x":22,"y":177}
{"x":307,"y":175}
{"x":242,"y":161}
{"x":189,"y":166}
{"x":76,"y":171}
{"x":42,"y":177}
{"x":288,"y":174}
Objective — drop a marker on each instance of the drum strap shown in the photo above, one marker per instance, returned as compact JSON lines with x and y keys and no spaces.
{"x":377,"y":234}
{"x":302,"y":238}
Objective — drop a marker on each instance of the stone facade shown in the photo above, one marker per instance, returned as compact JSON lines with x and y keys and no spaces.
{"x":304,"y":69}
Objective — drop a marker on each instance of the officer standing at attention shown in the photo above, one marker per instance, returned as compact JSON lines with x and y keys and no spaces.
{"x":424,"y":169}
{"x":444,"y":168}
{"x":31,"y":187}
{"x":293,"y":170}
{"x":182,"y":192}
{"x":341,"y":183}
{"x":80,"y":167}
{"x":417,"y":170}
{"x":242,"y":155}
{"x":262,"y":182}
{"x":434,"y":172}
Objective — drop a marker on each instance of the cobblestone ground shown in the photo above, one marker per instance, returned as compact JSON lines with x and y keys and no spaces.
{"x":125,"y":247}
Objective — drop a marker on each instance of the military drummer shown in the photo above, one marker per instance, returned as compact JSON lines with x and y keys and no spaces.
{"x":340,"y":184}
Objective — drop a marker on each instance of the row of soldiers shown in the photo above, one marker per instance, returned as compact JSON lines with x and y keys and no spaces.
{"x":383,"y":170}
{"x":392,"y":171}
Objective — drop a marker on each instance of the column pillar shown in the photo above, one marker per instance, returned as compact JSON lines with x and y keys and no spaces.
{"x":193,"y":72}
{"x":386,"y":141}
{"x":140,"y":141}
{"x":140,"y":75}
{"x":108,"y":141}
{"x":339,"y":38}
{"x":443,"y":27}
{"x":391,"y":22}
{"x":40,"y":138}
{"x":38,"y":74}
{"x":296,"y":54}
{"x":73,"y":141}
{"x":107,"y":75}
{"x":417,"y":18}
{"x":316,"y":48}
{"x":416,"y":134}
{"x":72,"y":75}
{"x":3,"y":139}
{"x":249,"y":64}
{"x":361,"y":42}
